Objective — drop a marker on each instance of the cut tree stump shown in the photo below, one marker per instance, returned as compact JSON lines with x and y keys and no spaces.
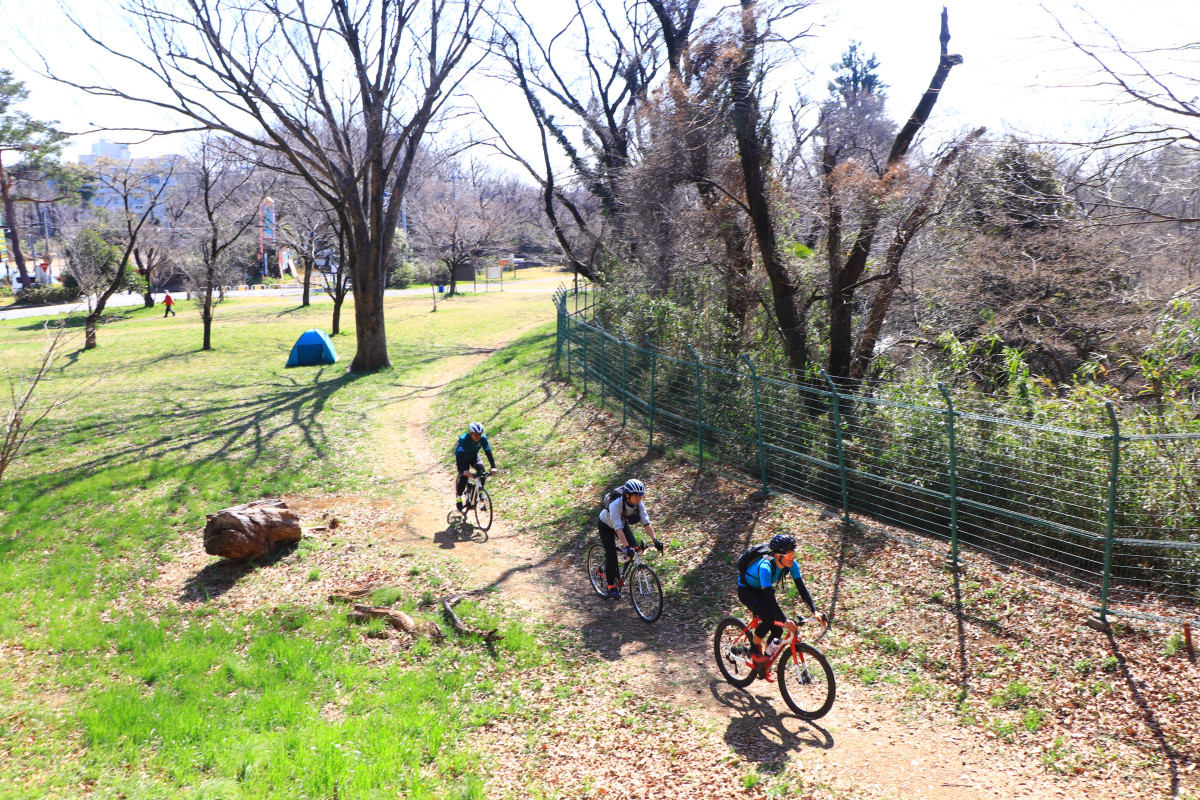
{"x":398,"y":620}
{"x":251,"y":529}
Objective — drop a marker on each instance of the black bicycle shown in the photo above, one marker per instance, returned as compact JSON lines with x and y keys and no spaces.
{"x":476,"y":500}
{"x":636,"y":577}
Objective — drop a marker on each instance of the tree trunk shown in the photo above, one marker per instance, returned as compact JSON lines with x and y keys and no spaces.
{"x":10,"y":214}
{"x":784,"y":290}
{"x":206,"y":316}
{"x":89,"y":330}
{"x":146,"y":269}
{"x":304,"y":303}
{"x":337,"y":315}
{"x":368,"y":259}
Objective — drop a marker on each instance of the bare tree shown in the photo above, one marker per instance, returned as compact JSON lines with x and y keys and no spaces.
{"x":306,"y":226}
{"x":847,"y":270}
{"x":619,"y":58}
{"x":342,"y":95}
{"x":132,"y":193}
{"x":332,"y":267}
{"x":464,"y":213}
{"x":25,"y":411}
{"x":227,"y":195}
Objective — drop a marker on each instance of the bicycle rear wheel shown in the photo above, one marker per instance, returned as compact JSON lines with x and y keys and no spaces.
{"x":731,"y":648}
{"x":807,"y":683}
{"x":646,"y":593}
{"x":595,"y":569}
{"x":483,"y":509}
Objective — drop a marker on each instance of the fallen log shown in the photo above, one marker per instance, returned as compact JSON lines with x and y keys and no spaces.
{"x":490,"y":635}
{"x":398,"y":620}
{"x":251,"y":530}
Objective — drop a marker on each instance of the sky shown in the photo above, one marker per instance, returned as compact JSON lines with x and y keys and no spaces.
{"x":1016,"y":75}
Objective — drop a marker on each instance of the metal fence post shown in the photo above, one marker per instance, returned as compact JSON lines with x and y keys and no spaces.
{"x":653,"y":375}
{"x":841,"y":452}
{"x":762,"y":454}
{"x":603,"y":374}
{"x":584,"y":329}
{"x":1100,"y":621}
{"x":699,"y":407}
{"x":952,"y":560}
{"x":624,"y":384}
{"x":561,"y":304}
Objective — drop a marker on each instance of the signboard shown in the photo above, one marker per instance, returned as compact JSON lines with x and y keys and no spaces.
{"x":495,"y":273}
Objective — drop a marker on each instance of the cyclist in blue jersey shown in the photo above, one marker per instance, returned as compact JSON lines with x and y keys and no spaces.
{"x":466,"y":458}
{"x":756,"y":589}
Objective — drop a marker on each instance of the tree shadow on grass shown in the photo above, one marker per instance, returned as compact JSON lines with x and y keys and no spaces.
{"x":242,"y":431}
{"x":219,"y":577}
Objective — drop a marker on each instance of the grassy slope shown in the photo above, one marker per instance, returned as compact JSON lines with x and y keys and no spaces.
{"x":988,"y":651}
{"x":97,"y":694}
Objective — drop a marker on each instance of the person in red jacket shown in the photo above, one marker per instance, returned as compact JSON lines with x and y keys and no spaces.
{"x":168,"y":302}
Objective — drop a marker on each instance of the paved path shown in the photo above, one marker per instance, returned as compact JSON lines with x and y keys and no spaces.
{"x":542,"y":285}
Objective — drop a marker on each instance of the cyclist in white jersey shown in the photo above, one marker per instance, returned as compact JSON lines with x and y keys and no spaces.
{"x":625,"y":509}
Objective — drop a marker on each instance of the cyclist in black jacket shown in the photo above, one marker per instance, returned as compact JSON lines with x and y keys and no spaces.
{"x":466,"y":458}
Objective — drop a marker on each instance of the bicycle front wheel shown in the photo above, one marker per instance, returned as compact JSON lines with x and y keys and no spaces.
{"x":483,"y":509}
{"x":595,"y":570}
{"x":646,"y":593}
{"x":731,"y":648}
{"x":806,"y":682}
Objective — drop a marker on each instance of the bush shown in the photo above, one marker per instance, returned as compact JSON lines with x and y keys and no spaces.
{"x":47,"y":295}
{"x":401,"y":274}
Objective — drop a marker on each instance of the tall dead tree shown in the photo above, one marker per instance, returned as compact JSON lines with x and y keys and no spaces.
{"x":846,"y":270}
{"x":341,"y":91}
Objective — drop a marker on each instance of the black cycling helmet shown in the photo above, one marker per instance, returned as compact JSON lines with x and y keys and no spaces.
{"x":782,"y":543}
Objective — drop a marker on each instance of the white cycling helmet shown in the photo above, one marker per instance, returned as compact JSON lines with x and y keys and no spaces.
{"x":634,"y":486}
{"x":475,"y":427}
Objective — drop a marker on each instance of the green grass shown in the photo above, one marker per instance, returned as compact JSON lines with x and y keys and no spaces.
{"x":105,"y":693}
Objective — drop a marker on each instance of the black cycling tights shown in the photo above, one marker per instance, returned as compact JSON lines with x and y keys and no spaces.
{"x":764,"y":606}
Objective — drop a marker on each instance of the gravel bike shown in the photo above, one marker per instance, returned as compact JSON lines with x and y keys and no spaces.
{"x":636,"y":576}
{"x":805,"y":677}
{"x":476,"y":499}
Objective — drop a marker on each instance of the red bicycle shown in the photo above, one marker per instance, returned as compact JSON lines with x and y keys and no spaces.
{"x":805,"y":677}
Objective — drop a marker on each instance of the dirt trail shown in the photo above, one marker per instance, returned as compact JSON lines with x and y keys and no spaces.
{"x":861,"y":747}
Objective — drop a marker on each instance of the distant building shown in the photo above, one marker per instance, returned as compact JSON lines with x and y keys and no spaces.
{"x":106,"y":149}
{"x":106,"y":197}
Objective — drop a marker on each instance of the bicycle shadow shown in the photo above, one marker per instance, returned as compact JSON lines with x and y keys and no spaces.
{"x":759,"y":733}
{"x":457,"y":531}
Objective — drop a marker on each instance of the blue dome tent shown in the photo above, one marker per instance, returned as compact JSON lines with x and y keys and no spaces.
{"x":313,"y":347}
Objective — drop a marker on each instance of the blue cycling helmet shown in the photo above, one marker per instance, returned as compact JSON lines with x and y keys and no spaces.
{"x":475,"y":427}
{"x":782,"y":543}
{"x":634,"y":486}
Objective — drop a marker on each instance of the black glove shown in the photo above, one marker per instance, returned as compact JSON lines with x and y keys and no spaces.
{"x":658,"y":545}
{"x":629,"y":552}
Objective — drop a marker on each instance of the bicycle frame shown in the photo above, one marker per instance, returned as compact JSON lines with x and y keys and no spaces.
{"x":788,"y":640}
{"x":473,"y":484}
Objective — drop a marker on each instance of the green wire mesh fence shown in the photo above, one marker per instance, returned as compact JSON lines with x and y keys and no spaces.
{"x":1114,"y":517}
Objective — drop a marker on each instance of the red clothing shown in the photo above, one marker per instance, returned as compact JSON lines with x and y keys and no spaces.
{"x":167,"y":301}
